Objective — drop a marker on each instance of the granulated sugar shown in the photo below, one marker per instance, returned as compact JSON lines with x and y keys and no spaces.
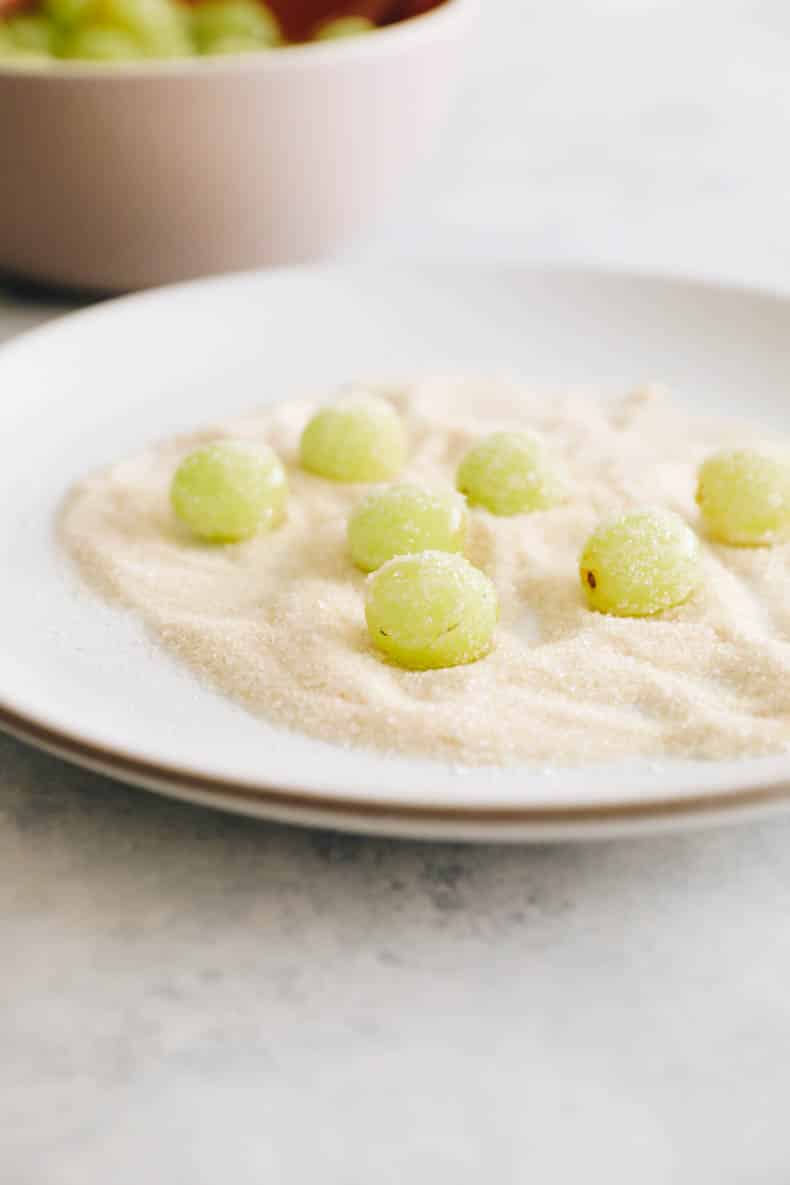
{"x":278,"y":624}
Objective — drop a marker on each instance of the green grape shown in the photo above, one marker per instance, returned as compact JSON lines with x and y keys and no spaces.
{"x":510,"y":473}
{"x":68,"y":14}
{"x":343,"y":26}
{"x":22,"y":59}
{"x":100,"y":43}
{"x":640,"y":563}
{"x":157,"y":25}
{"x":359,"y":438}
{"x":7,"y":47}
{"x":214,"y":21}
{"x":401,"y":520}
{"x":431,"y":610}
{"x":227,"y":491}
{"x":30,"y":34}
{"x":231,"y":43}
{"x":744,"y":497}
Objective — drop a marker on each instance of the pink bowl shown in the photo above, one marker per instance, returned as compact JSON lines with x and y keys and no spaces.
{"x":119,"y":177}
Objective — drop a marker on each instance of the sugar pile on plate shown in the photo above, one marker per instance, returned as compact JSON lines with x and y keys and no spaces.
{"x":277,"y":623}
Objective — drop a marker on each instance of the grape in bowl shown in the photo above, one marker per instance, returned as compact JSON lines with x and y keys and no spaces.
{"x":124,"y":174}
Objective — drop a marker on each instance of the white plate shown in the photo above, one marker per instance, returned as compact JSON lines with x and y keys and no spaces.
{"x":81,"y":679}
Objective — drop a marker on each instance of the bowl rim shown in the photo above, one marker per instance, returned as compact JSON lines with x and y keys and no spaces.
{"x":382,"y":42}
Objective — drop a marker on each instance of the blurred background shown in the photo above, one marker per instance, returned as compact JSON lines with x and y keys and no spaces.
{"x":631,"y":133}
{"x":628,"y":133}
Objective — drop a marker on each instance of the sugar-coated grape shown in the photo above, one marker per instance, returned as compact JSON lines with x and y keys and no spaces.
{"x":359,"y":438}
{"x":431,"y":610}
{"x":100,"y":43}
{"x":214,"y":22}
{"x":510,"y":473}
{"x":640,"y":563}
{"x":343,"y":26}
{"x":744,"y":497}
{"x":226,"y":492}
{"x":401,"y":520}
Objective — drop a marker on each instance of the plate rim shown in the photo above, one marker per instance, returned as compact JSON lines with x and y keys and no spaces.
{"x":243,"y":796}
{"x":264,"y":797}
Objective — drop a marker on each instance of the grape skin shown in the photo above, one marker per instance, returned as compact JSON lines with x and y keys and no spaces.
{"x":640,"y":563}
{"x":358,"y":439}
{"x":29,"y":34}
{"x":744,"y":497}
{"x":510,"y":473}
{"x":430,"y":610}
{"x":119,"y":30}
{"x":402,"y":520}
{"x":227,"y":491}
{"x":220,"y":22}
{"x":343,"y":26}
{"x":157,"y":26}
{"x":100,"y":43}
{"x":68,"y":14}
{"x":231,"y":43}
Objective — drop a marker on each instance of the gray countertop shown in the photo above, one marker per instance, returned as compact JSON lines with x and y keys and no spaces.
{"x":193,"y":999}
